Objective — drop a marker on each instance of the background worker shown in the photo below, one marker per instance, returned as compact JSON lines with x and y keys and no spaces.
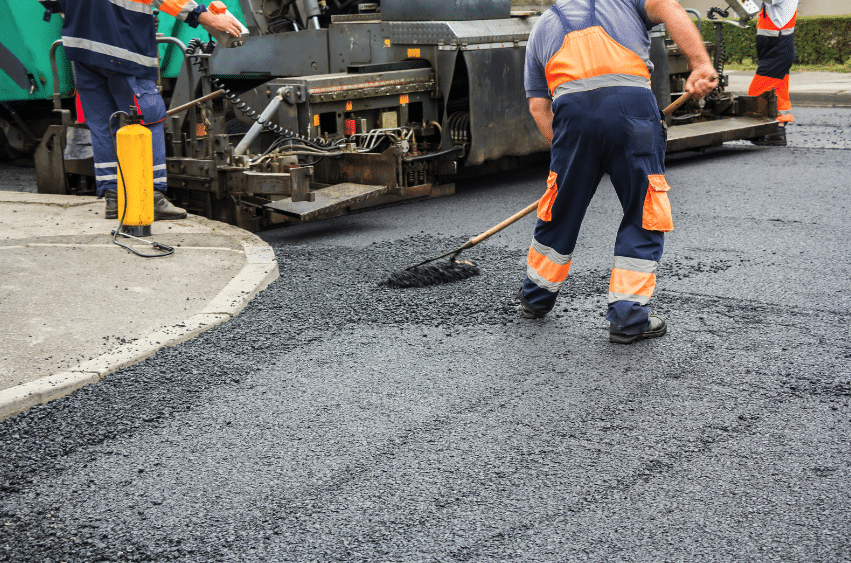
{"x":112,"y":45}
{"x":588,"y":83}
{"x":775,"y":51}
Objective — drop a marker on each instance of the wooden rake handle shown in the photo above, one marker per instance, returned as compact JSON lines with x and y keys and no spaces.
{"x":496,"y":228}
{"x":184,"y":107}
{"x":677,"y":103}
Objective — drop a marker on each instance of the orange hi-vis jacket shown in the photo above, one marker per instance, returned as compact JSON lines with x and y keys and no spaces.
{"x":582,"y":45}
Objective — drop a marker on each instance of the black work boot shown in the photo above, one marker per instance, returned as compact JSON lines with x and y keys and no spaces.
{"x":777,"y":139}
{"x":657,"y":327}
{"x":528,"y":311}
{"x":164,"y":210}
{"x":111,"y":198}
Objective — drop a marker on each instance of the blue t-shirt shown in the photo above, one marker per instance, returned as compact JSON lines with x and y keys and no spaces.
{"x":625,"y":21}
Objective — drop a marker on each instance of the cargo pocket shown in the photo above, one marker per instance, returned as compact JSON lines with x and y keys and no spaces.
{"x":657,"y":206}
{"x":545,"y":207}
{"x":148,"y":99}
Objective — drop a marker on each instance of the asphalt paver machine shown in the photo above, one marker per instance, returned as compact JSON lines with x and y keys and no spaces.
{"x":333,"y":106}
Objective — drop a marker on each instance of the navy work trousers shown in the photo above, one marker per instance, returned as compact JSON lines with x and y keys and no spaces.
{"x":102,"y":93}
{"x":615,"y":131}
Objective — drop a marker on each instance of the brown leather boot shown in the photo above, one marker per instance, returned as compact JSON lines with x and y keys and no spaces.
{"x":111,"y":198}
{"x":164,"y":210}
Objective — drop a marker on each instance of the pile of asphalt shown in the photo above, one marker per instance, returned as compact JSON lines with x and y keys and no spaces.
{"x":438,"y":272}
{"x":337,"y":420}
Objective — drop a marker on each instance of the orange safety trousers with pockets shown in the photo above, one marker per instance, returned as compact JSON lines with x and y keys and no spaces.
{"x":775,"y":52}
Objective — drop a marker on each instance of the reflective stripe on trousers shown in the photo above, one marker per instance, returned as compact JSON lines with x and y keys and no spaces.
{"x":633,"y":279}
{"x":547,"y":268}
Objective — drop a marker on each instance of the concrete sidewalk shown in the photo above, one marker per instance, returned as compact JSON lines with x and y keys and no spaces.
{"x":814,"y":89}
{"x":76,"y":307}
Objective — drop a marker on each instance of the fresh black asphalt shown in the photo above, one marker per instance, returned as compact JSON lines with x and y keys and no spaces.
{"x":336,"y":420}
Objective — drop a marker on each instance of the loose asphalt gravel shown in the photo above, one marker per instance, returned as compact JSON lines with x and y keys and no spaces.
{"x":336,"y":420}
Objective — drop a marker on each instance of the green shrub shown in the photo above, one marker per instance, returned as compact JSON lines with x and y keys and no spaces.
{"x":823,"y":40}
{"x":818,"y":40}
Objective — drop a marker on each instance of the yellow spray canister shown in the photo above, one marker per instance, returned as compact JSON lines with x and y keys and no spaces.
{"x":135,"y":179}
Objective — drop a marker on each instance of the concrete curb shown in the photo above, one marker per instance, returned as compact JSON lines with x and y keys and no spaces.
{"x":821,"y":99}
{"x":806,"y":88}
{"x":813,"y":99}
{"x":260,"y":270}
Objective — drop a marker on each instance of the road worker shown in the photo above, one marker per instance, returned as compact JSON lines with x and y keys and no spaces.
{"x":588,"y":83}
{"x":775,"y":51}
{"x":112,"y":46}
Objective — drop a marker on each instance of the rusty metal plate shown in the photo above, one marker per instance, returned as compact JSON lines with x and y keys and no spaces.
{"x":49,"y":165}
{"x":360,"y":168}
{"x":328,"y":201}
{"x":696,"y":135}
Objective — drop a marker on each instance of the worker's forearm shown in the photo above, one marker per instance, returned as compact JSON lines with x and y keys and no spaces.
{"x":703,"y":78}
{"x":542,"y":112}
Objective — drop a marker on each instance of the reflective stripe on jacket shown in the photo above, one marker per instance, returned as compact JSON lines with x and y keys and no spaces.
{"x":119,"y":35}
{"x":767,"y":28}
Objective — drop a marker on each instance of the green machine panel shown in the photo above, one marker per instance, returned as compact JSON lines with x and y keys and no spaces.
{"x":25,"y":72}
{"x":25,"y":53}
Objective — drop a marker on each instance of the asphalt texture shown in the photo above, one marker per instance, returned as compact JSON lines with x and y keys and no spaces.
{"x":337,"y":420}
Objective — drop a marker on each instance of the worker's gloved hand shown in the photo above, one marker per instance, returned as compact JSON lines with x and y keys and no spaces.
{"x":51,"y":7}
{"x":702,"y":80}
{"x":221,"y":22}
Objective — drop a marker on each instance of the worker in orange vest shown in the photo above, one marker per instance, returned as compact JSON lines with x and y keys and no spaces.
{"x":588,"y":83}
{"x":775,"y":49}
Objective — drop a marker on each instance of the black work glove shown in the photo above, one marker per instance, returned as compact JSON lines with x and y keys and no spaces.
{"x":50,"y":7}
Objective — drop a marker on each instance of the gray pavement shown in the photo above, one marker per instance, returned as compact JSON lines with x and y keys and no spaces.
{"x":76,"y":307}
